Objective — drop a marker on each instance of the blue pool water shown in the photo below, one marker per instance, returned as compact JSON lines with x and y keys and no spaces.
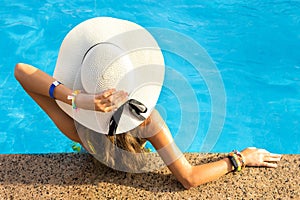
{"x":254,"y":45}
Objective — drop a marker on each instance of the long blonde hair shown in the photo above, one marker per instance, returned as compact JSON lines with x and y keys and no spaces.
{"x":129,"y":141}
{"x":124,"y":152}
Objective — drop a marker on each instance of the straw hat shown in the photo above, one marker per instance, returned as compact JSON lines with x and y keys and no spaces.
{"x":103,"y":53}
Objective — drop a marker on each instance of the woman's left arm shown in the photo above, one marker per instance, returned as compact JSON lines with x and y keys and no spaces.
{"x":192,"y":176}
{"x":188,"y":175}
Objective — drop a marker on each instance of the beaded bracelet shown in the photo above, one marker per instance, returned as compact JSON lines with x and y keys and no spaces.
{"x":72,"y":97}
{"x":241,"y":158}
{"x":237,"y":160}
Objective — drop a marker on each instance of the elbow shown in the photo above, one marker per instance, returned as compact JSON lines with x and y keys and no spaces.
{"x":22,"y":71}
{"x":188,"y":181}
{"x":19,"y":68}
{"x":188,"y":184}
{"x":192,"y":179}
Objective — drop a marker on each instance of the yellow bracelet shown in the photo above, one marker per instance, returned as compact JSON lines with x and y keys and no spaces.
{"x":72,"y":97}
{"x":237,"y":160}
{"x":241,"y":158}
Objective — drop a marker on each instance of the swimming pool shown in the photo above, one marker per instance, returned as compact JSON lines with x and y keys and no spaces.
{"x":255,"y":46}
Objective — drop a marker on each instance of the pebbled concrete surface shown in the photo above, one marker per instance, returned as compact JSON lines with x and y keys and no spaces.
{"x":79,"y":176}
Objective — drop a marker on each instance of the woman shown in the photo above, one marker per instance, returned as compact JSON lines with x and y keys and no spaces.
{"x":37,"y":83}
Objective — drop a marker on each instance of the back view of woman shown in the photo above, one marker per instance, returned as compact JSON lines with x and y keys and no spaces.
{"x":102,"y":96}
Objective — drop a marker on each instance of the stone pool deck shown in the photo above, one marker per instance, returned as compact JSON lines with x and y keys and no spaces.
{"x":79,"y":176}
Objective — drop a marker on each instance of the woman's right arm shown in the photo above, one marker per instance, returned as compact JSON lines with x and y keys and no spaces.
{"x":37,"y":81}
{"x":192,"y":176}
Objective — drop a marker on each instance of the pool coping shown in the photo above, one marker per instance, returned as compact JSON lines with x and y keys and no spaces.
{"x":80,"y":176}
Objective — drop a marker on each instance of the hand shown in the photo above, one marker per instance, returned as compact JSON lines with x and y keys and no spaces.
{"x":106,"y":101}
{"x":260,"y":157}
{"x":110,"y":100}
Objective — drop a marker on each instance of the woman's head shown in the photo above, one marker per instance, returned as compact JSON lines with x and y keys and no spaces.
{"x":124,"y":152}
{"x":103,"y":53}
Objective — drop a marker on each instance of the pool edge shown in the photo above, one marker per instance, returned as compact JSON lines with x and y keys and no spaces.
{"x":78,"y":175}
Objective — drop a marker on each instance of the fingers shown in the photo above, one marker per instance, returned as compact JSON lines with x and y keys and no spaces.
{"x":114,"y":102}
{"x":269,"y":164}
{"x":263,"y":151}
{"x":119,"y":99}
{"x":272,"y":157}
{"x":269,"y":159}
{"x":110,"y":100}
{"x":110,"y":95}
{"x":260,"y":157}
{"x":108,"y":92}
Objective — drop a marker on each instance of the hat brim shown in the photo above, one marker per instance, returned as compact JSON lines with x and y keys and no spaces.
{"x":145,"y":56}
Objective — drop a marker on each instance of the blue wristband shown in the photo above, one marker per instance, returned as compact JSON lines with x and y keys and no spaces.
{"x":52,"y":87}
